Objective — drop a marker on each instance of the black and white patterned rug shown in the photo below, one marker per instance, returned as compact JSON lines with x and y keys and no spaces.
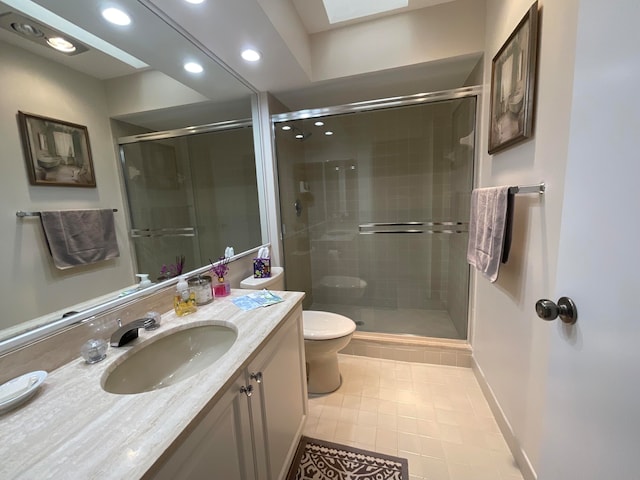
{"x":320,"y":460}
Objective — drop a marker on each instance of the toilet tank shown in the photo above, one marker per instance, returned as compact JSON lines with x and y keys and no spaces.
{"x":274,"y":282}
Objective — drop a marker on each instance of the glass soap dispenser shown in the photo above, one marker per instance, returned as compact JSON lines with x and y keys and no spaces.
{"x":184,"y":301}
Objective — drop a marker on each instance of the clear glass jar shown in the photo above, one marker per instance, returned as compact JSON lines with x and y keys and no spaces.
{"x":201,"y":286}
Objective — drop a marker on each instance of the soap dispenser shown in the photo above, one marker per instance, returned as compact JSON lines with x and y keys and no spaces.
{"x":184,"y":301}
{"x":144,"y":280}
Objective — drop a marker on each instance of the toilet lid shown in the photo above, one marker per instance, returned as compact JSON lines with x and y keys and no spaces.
{"x":326,"y":325}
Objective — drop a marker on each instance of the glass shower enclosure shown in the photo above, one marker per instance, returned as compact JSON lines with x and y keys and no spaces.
{"x":375,"y":209}
{"x":191,"y":193}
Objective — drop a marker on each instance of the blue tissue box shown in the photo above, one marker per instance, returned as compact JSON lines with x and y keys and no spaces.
{"x":261,"y":267}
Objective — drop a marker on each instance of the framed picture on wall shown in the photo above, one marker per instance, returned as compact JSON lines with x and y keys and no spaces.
{"x":513,"y":78}
{"x":57,"y":152}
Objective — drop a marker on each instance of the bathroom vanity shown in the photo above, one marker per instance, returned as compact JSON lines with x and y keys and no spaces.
{"x":240,"y":417}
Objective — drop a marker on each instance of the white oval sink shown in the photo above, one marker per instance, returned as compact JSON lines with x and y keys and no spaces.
{"x":169,"y":359}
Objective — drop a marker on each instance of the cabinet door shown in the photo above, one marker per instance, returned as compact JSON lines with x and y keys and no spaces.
{"x":219,"y":447}
{"x":279,"y":404}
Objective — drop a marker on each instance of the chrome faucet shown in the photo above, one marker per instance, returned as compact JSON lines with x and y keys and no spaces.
{"x":126,"y":333}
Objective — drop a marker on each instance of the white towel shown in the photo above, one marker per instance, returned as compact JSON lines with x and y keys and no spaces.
{"x":80,"y":237}
{"x":487,"y":230}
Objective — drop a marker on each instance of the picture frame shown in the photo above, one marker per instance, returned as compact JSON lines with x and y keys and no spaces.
{"x":57,"y":152}
{"x":513,"y":79}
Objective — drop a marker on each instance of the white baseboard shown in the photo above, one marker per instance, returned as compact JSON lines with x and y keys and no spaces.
{"x":505,"y":427}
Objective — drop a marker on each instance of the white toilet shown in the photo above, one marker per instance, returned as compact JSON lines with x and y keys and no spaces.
{"x":325,"y":334}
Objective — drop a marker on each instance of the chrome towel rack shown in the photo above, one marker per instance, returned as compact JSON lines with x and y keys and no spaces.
{"x":540,"y":188}
{"x":22,"y":214}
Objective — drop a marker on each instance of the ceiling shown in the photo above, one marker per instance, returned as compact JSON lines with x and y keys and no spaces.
{"x":314,"y":17}
{"x":285,"y":32}
{"x":214,"y":33}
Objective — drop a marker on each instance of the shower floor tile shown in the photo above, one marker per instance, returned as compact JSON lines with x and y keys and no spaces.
{"x":433,"y":415}
{"x":407,"y":321}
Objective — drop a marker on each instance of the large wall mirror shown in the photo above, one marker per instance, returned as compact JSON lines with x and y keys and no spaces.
{"x":139,"y":88}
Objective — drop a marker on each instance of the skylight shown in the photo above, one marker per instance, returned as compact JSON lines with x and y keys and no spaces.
{"x":343,"y":10}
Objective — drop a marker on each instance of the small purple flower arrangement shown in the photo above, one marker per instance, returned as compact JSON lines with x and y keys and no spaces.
{"x":220,"y":269}
{"x":172,"y":270}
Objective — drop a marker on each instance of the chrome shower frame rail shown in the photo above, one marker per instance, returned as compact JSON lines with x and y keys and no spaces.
{"x":430,"y":227}
{"x":183,"y":132}
{"x":163,"y":232}
{"x":416,"y":99}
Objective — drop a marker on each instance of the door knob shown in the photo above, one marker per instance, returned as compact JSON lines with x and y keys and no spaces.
{"x":565,"y":309}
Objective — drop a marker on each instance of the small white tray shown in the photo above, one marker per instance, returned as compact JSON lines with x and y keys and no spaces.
{"x":20,"y":389}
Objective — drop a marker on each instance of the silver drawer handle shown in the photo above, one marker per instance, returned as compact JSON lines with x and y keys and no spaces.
{"x":256,"y":376}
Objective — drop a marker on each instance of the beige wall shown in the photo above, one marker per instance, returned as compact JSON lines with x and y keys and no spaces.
{"x":31,"y":284}
{"x":510,"y":343}
{"x":427,"y":35}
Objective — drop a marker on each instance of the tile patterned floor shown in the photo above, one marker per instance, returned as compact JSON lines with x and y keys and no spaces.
{"x":435,"y":416}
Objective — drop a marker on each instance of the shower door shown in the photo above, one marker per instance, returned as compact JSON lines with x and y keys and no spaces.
{"x":375,"y":210}
{"x":190,"y":195}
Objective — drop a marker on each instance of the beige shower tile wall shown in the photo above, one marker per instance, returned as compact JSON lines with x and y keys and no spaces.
{"x":157,"y":199}
{"x":396,"y":168}
{"x":224,"y":189}
{"x":461,"y":175}
{"x":292,"y":170}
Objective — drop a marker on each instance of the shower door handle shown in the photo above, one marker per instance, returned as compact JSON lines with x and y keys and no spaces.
{"x":298,"y":207}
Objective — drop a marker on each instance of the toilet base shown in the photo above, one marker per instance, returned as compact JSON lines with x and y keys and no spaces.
{"x":321,"y":348}
{"x":323,"y":374}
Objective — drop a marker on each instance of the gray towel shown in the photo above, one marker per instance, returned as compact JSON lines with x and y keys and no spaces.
{"x":80,"y":237}
{"x":487,"y":230}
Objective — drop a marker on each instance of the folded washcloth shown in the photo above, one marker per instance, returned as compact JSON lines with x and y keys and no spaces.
{"x":487,"y":228}
{"x":80,"y":237}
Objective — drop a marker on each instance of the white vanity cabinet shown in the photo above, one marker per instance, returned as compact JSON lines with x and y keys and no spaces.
{"x":252,"y":431}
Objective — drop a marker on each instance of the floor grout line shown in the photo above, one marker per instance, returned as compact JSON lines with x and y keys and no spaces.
{"x":446,"y":432}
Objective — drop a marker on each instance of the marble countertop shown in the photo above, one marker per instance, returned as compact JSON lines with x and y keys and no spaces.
{"x":71,"y":428}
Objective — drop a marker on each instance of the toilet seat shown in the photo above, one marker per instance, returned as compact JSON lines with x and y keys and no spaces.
{"x":326,"y":325}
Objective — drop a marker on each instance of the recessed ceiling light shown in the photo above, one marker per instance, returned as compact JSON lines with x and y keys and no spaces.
{"x":299,"y":135}
{"x":27,"y":29}
{"x":195,"y":2}
{"x":251,"y":55}
{"x":193,"y":67}
{"x":61,"y":44}
{"x":328,"y":132}
{"x":116,"y":16}
{"x":60,"y":24}
{"x":286,"y":127}
{"x":319,"y":124}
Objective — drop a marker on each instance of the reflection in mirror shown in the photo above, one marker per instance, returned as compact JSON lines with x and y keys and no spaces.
{"x":191,"y":193}
{"x":112,"y":99}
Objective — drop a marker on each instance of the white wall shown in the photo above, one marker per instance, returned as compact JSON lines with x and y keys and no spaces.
{"x":426,"y":35}
{"x":510,"y":344}
{"x":31,"y":285}
{"x":147,"y":90}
